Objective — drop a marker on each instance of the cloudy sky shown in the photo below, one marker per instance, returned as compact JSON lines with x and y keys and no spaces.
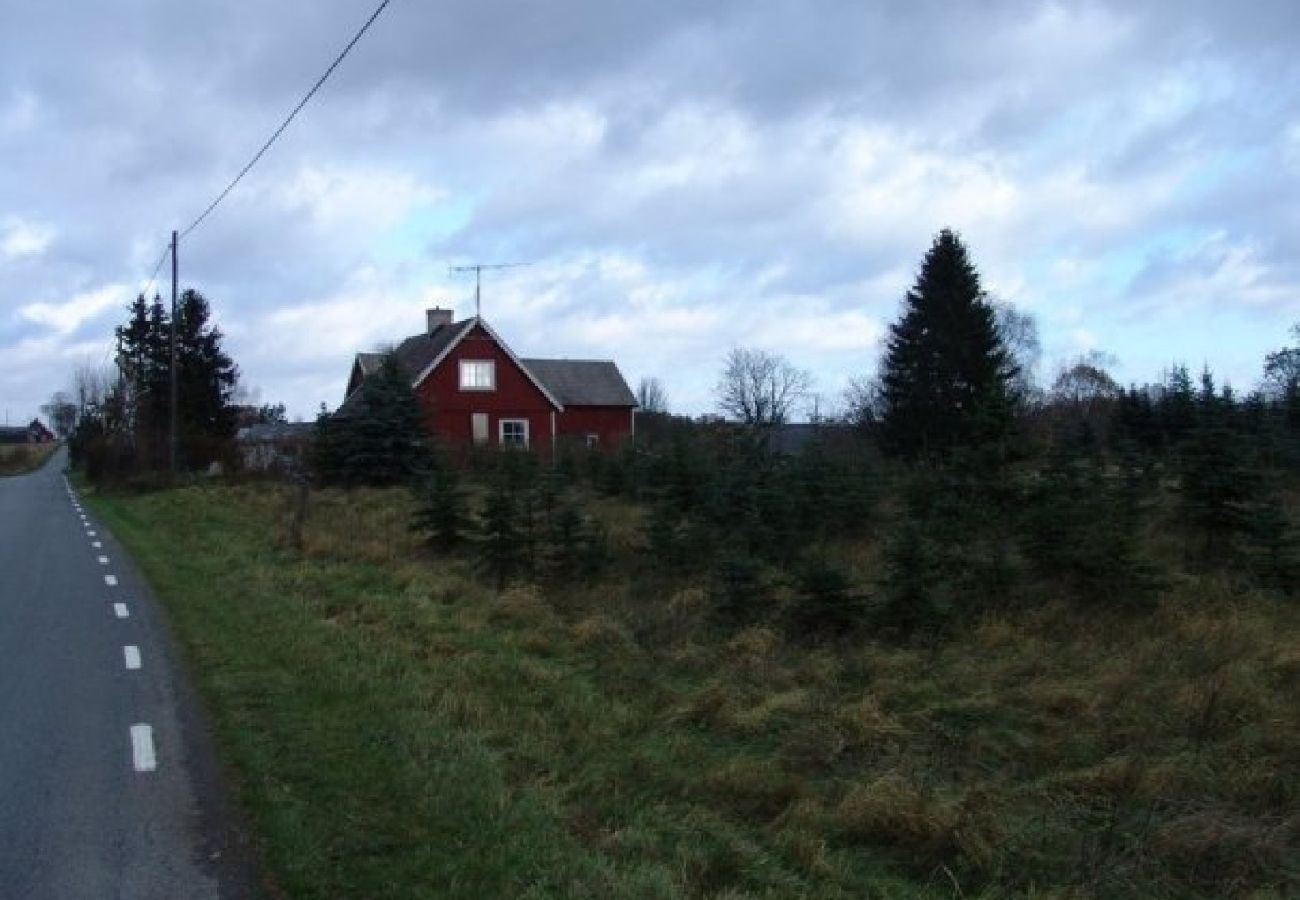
{"x":682,"y":177}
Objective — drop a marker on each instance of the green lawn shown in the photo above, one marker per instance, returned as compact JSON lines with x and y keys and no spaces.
{"x":399,"y":731}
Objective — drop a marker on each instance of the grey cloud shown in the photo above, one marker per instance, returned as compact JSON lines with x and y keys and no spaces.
{"x":140,"y":111}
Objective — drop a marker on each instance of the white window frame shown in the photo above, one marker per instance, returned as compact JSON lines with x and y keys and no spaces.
{"x":593,"y":440}
{"x":466,"y":366}
{"x":501,"y":432}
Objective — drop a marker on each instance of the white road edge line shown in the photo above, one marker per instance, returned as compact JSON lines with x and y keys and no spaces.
{"x":142,"y":755}
{"x":120,"y":610}
{"x":110,"y":580}
{"x":131,"y":653}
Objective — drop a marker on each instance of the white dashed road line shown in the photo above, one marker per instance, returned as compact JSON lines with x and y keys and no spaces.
{"x":97,"y":545}
{"x":142,"y":755}
{"x":103,"y":560}
{"x":110,"y":580}
{"x":120,"y":610}
{"x":131,"y":654}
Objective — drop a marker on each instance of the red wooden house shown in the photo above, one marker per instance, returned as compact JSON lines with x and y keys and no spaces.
{"x":472,"y":388}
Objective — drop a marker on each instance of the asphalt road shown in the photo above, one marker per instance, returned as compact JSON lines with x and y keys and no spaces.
{"x":108,"y":784}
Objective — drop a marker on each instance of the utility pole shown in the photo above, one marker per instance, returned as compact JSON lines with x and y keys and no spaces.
{"x":477,"y":269}
{"x":174,"y":386}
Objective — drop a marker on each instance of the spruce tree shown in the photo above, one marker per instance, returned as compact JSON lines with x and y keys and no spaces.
{"x":205,"y":374}
{"x":442,"y":516}
{"x":946,"y":376}
{"x":380,"y":440}
{"x":825,"y":602}
{"x":206,"y":379}
{"x":1218,"y":477}
{"x":500,"y":542}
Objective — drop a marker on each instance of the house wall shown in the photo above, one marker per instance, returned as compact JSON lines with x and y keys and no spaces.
{"x":613,"y":424}
{"x":447,"y":409}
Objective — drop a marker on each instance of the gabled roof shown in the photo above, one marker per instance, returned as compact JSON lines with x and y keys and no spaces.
{"x":583,"y":382}
{"x":414,"y":354}
{"x":420,"y":354}
{"x":368,"y":362}
{"x":451,"y":345}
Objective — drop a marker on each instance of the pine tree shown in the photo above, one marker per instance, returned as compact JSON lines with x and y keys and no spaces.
{"x":946,"y":376}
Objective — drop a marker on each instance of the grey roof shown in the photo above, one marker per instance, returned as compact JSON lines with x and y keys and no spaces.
{"x":582,"y":382}
{"x":416,"y":352}
{"x":793,"y":437}
{"x":277,"y":431}
{"x":413,"y":354}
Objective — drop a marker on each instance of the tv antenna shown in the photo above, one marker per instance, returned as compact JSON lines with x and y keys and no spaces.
{"x":477,"y":269}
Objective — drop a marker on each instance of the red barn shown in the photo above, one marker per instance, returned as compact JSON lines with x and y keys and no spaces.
{"x":472,"y":388}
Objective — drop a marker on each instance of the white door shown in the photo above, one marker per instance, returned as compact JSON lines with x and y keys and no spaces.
{"x":478,"y":423}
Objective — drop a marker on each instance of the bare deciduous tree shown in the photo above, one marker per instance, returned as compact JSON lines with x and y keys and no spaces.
{"x":862,"y":402}
{"x":62,"y":414}
{"x":1085,"y":380}
{"x":651,"y":396}
{"x":1282,"y":371}
{"x":760,"y":388}
{"x":91,"y":385}
{"x":1019,"y":332}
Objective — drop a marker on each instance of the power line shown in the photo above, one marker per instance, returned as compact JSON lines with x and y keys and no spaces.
{"x":285,"y":124}
{"x":158,"y":267}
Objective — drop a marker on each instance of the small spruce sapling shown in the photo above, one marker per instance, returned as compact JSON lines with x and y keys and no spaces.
{"x":442,"y":517}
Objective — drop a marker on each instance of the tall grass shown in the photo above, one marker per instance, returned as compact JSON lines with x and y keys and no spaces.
{"x":18,"y":459}
{"x":401,"y":731}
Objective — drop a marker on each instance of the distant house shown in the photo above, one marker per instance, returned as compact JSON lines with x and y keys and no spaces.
{"x":473,"y":389}
{"x":277,"y":446}
{"x":32,"y":433}
{"x":38,"y":433}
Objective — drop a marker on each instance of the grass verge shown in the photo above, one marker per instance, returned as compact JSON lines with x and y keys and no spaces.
{"x":19,"y":459}
{"x":398,"y":731}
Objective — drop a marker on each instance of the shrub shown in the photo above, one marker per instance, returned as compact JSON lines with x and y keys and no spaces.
{"x":825,"y":603}
{"x":740,"y":596}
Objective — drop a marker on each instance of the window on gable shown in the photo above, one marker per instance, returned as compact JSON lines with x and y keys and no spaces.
{"x":478,"y":375}
{"x":593,"y":441}
{"x":514,"y":432}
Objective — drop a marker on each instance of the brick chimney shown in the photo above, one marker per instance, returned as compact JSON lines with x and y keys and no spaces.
{"x":437,"y":317}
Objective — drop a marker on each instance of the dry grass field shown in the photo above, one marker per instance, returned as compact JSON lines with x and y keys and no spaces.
{"x":17,"y":459}
{"x":400,"y":730}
